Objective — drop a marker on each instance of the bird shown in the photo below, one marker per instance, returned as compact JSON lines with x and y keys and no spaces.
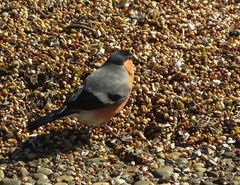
{"x":100,"y":97}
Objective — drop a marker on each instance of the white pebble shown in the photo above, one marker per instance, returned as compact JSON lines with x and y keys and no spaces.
{"x":216,"y":82}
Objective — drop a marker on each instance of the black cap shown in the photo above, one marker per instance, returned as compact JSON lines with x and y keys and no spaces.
{"x":119,"y":57}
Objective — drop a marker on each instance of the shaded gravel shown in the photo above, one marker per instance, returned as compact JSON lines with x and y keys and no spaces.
{"x":182,"y":122}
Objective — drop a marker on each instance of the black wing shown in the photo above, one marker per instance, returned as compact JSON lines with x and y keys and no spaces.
{"x":82,"y":99}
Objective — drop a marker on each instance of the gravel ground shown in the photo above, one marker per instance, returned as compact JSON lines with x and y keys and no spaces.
{"x":182,"y":123}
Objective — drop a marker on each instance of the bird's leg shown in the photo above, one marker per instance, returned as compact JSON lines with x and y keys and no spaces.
{"x":110,"y":129}
{"x":107,"y":127}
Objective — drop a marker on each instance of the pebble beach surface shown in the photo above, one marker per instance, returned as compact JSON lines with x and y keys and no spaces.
{"x":182,"y":123}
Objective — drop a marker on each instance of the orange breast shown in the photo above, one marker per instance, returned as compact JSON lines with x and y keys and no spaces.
{"x":108,"y":112}
{"x":130,"y":69}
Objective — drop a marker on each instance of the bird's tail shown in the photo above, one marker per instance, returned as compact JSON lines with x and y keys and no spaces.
{"x":46,"y":119}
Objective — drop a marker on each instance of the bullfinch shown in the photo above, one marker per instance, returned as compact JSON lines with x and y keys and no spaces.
{"x":101,"y":96}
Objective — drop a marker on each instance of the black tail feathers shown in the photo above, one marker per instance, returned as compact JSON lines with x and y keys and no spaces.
{"x":46,"y":119}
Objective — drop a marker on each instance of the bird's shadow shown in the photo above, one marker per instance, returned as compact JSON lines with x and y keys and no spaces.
{"x":52,"y":144}
{"x":48,"y":145}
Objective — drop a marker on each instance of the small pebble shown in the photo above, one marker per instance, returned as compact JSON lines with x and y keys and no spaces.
{"x":217,"y":82}
{"x":143,"y":183}
{"x":60,"y":183}
{"x":40,"y":176}
{"x":194,"y":180}
{"x":206,"y":183}
{"x":24,"y":171}
{"x":1,"y":174}
{"x":65,"y":178}
{"x":235,"y":182}
{"x":228,"y":154}
{"x":200,"y":169}
{"x":198,"y":165}
{"x":185,"y":183}
{"x":7,"y":181}
{"x":163,"y":172}
{"x":45,"y":171}
{"x":181,"y":161}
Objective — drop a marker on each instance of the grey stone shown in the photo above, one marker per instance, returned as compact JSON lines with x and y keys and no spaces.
{"x":95,"y":160}
{"x":206,"y":183}
{"x":1,"y":174}
{"x":39,"y":182}
{"x":229,"y":175}
{"x":227,"y":161}
{"x":45,"y":160}
{"x":164,"y":172}
{"x":143,"y":183}
{"x":70,"y":172}
{"x":237,"y":178}
{"x":119,"y":181}
{"x":119,"y":165}
{"x":40,"y":176}
{"x":181,"y":161}
{"x":71,"y":183}
{"x":65,"y":178}
{"x":200,"y":169}
{"x":7,"y":181}
{"x":160,"y":162}
{"x":24,"y":172}
{"x":196,"y":165}
{"x":194,"y":180}
{"x":30,"y":180}
{"x":175,"y":176}
{"x":235,"y":182}
{"x":231,"y":167}
{"x":45,"y":171}
{"x":228,"y":154}
{"x":61,"y":183}
{"x":61,"y":167}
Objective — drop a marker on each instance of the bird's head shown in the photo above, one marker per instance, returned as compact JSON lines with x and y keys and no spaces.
{"x":119,"y":57}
